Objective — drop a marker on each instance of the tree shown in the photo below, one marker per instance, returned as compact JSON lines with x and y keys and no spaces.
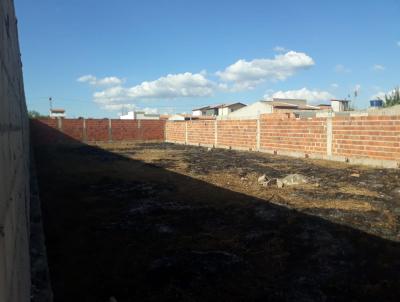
{"x":393,"y":98}
{"x":34,"y":114}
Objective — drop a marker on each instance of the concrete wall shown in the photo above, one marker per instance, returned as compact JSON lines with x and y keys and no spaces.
{"x":14,"y":165}
{"x":369,"y":140}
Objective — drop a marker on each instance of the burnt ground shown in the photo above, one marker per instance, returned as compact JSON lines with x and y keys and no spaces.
{"x":163,"y":222}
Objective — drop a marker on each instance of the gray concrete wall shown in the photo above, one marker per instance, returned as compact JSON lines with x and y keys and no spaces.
{"x":14,"y":165}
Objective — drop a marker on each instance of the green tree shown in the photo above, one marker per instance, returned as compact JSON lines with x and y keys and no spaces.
{"x":393,"y":98}
{"x":35,"y":114}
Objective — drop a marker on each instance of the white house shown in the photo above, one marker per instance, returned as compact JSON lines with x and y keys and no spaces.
{"x":340,"y":105}
{"x":177,"y":117}
{"x":139,"y":115}
{"x":217,"y":110}
{"x":226,"y":109}
{"x":57,"y":113}
{"x":275,"y":105}
{"x":200,"y":111}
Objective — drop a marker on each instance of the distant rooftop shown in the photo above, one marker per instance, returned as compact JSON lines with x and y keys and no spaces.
{"x":57,"y":110}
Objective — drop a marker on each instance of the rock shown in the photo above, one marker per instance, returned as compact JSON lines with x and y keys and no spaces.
{"x":292,"y":180}
{"x":270,"y":182}
{"x":355,"y":175}
{"x":209,"y":149}
{"x":396,"y":192}
{"x":279,"y":183}
{"x":262,"y":179}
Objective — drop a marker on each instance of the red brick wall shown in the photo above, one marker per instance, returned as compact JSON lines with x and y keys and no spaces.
{"x":293,"y":135}
{"x":46,"y":131}
{"x":73,"y":128}
{"x":237,"y":134}
{"x":175,"y":131}
{"x":201,"y":132}
{"x":152,"y":130}
{"x":97,"y":130}
{"x":375,"y":137}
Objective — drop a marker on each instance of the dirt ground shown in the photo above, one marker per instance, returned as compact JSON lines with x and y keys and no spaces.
{"x":163,"y":222}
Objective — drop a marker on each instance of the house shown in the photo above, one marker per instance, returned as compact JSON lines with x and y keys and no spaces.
{"x":324,"y":107}
{"x":340,"y":105}
{"x":177,"y":117}
{"x":139,"y":115}
{"x":217,"y":110}
{"x":57,"y":113}
{"x":188,"y":117}
{"x":272,"y":106}
{"x":200,"y":111}
{"x":229,"y":108}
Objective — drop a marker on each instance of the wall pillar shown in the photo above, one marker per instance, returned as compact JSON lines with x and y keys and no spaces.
{"x":109,"y":131}
{"x":258,"y":134}
{"x":329,"y":136}
{"x":186,"y":132}
{"x":215,"y":133}
{"x":59,"y":124}
{"x":84,"y":134}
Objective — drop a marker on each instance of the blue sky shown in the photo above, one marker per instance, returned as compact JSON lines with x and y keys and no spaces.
{"x":96,"y":57}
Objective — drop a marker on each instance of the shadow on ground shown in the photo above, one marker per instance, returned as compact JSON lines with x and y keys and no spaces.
{"x":117,"y":227}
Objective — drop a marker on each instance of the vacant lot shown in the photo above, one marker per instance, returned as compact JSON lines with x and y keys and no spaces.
{"x":162,"y":222}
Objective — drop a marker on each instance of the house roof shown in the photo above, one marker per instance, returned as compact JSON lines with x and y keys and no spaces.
{"x":342,"y":101}
{"x":201,"y":108}
{"x":283,"y":105}
{"x":288,"y":100}
{"x":217,"y":106}
{"x":58,"y":110}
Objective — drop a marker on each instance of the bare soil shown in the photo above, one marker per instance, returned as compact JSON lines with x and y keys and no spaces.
{"x":163,"y":222}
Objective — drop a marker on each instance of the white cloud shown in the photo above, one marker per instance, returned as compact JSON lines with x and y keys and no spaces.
{"x":334,"y":85}
{"x":87,"y":79}
{"x":172,"y":86}
{"x":381,"y":95}
{"x":107,"y":81}
{"x":378,"y":67}
{"x":247,"y":74}
{"x":340,"y":68}
{"x":303,"y":93}
{"x":280,"y":49}
{"x":398,"y":43}
{"x":115,"y":107}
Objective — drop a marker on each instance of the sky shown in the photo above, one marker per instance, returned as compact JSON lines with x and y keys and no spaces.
{"x":98,"y":58}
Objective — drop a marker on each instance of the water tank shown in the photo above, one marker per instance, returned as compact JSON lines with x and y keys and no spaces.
{"x":376,"y":103}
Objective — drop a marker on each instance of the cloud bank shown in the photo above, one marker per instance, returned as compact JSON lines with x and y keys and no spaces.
{"x":239,"y":76}
{"x":313,"y":96}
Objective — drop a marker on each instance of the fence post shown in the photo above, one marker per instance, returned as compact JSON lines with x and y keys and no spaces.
{"x":109,"y":131}
{"x":215,"y":133}
{"x":59,"y":123}
{"x":84,"y":134}
{"x":258,"y":134}
{"x":329,"y":136}
{"x":186,"y":132}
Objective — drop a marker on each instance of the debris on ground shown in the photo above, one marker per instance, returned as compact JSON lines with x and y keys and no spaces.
{"x":158,"y":222}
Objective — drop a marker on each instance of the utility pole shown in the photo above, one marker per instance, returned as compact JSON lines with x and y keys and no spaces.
{"x":51,"y":103}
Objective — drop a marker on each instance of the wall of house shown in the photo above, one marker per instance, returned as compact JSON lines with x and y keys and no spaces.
{"x":49,"y":131}
{"x":14,"y":165}
{"x":370,"y":140}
